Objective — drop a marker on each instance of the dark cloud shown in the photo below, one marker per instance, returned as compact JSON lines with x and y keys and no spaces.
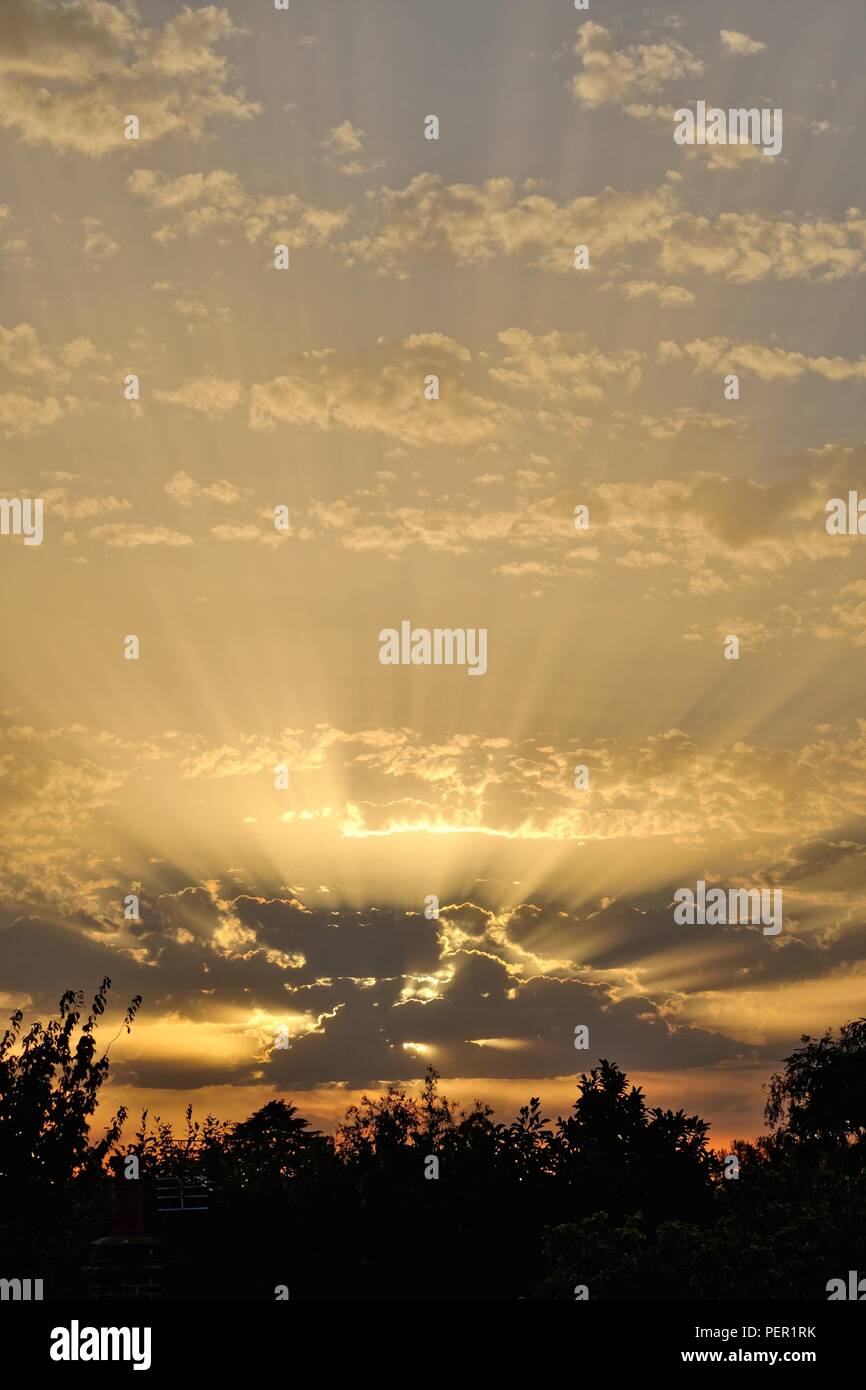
{"x":375,"y":983}
{"x":486,"y":1021}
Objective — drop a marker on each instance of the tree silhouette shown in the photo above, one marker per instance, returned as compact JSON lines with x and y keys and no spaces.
{"x":821,"y":1095}
{"x":274,"y":1144}
{"x":49,"y":1087}
{"x":626,"y":1200}
{"x":50,"y":1079}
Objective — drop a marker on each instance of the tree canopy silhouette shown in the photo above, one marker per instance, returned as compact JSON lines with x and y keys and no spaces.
{"x":821,"y":1095}
{"x":624,"y":1199}
{"x":50,"y":1081}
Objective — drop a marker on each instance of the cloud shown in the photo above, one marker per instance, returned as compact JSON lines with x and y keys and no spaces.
{"x":557,"y":368}
{"x":746,"y":247}
{"x":485,"y":1017}
{"x":20,"y":414}
{"x":473,"y":223}
{"x":247,"y":532}
{"x":357,"y":990}
{"x":58,"y":503}
{"x":527,"y":525}
{"x":427,"y":219}
{"x":740,"y":44}
{"x":341,"y":142}
{"x":70,"y":74}
{"x":676,"y":422}
{"x":22,"y":353}
{"x":192,"y":308}
{"x":184,"y":489}
{"x":766,"y":363}
{"x":18,"y":251}
{"x":846,"y":616}
{"x":23,"y":356}
{"x":673,"y":522}
{"x":725,"y":158}
{"x":385,"y":396}
{"x":215,"y":203}
{"x":664,"y":785}
{"x":132,"y":535}
{"x":609,"y":75}
{"x":669,"y":296}
{"x":343,"y":139}
{"x":207,"y":395}
{"x":98,"y":245}
{"x":490,"y":988}
{"x":194,"y":311}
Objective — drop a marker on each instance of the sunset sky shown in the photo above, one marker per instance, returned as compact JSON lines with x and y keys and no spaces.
{"x":304,"y":908}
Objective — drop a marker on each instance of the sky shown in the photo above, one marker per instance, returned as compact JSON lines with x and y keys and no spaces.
{"x":300,"y":909}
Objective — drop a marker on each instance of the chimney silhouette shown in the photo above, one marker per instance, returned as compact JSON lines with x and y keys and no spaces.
{"x":127,"y":1264}
{"x":128,"y":1208}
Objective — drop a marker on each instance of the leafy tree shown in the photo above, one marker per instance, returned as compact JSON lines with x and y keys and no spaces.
{"x":821,"y":1095}
{"x":526,"y":1144}
{"x":49,"y":1087}
{"x":608,"y":1260}
{"x":276,"y":1143}
{"x":53,"y":1190}
{"x":622,"y":1157}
